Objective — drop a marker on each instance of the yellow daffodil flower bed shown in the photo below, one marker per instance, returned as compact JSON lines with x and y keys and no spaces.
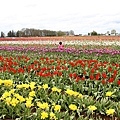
{"x":40,"y":101}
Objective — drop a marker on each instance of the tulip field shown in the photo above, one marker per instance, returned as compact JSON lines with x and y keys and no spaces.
{"x":42,"y":82}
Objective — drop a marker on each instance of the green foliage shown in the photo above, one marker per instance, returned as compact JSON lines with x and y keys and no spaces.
{"x":94,"y":33}
{"x":26,"y":32}
{"x":2,"y":34}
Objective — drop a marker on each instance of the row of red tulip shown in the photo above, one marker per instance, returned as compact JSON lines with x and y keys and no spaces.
{"x":77,"y":70}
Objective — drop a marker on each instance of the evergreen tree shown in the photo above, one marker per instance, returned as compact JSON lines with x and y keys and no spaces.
{"x":9,"y":34}
{"x":2,"y":34}
{"x":94,"y":33}
{"x":18,"y":33}
{"x":13,"y":34}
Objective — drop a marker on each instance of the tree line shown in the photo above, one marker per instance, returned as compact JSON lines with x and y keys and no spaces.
{"x":26,"y":32}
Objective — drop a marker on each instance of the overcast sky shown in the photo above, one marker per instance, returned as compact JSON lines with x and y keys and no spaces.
{"x":81,"y":16}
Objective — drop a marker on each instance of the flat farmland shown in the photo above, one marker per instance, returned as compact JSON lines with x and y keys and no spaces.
{"x":40,"y":81}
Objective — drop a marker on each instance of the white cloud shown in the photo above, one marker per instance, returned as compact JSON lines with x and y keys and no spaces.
{"x":82,"y":16}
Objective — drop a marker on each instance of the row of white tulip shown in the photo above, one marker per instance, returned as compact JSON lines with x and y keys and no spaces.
{"x":104,"y":43}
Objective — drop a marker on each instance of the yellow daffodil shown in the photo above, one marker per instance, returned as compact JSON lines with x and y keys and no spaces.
{"x":8,"y":82}
{"x":43,"y":105}
{"x":52,"y":116}
{"x":92,"y":108}
{"x":19,"y":86}
{"x":16,"y":95}
{"x":12,"y":91}
{"x":29,"y":103}
{"x":69,"y":92}
{"x":25,"y":85}
{"x":57,"y":107}
{"x":58,"y":90}
{"x":54,"y":89}
{"x":110,"y":111}
{"x":39,"y":104}
{"x":109,"y":93}
{"x":32,"y":93}
{"x":32,"y":85}
{"x":29,"y":98}
{"x":6,"y":94}
{"x":19,"y":97}
{"x":8,"y":100}
{"x":14,"y":102}
{"x":45,"y":86}
{"x":44,"y":115}
{"x":80,"y":95}
{"x":73,"y":107}
{"x":75,"y":93}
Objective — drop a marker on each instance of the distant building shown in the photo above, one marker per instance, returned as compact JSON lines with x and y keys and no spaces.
{"x":107,"y":34}
{"x":80,"y":34}
{"x":69,"y":33}
{"x":112,"y":33}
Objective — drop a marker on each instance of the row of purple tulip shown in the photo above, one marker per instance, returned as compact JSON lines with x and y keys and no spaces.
{"x":55,"y":49}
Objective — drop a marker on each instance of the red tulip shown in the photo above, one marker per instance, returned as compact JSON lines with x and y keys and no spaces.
{"x":104,"y":75}
{"x":103,"y":82}
{"x":109,"y":69}
{"x":91,"y":76}
{"x":74,"y":75}
{"x":77,"y":79}
{"x":118,"y":82}
{"x":70,"y":75}
{"x":111,"y":80}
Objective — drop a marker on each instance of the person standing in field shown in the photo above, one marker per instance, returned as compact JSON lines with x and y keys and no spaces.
{"x":60,"y":46}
